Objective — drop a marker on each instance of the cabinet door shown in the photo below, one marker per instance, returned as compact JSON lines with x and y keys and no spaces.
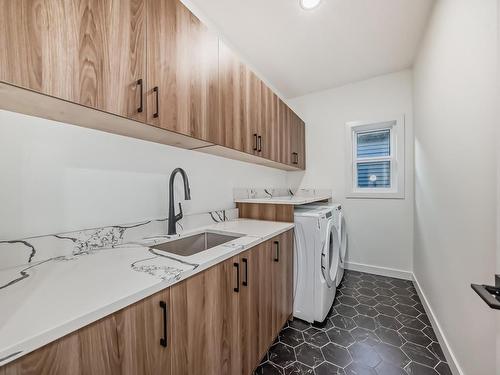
{"x":266,"y":303}
{"x":89,"y":52}
{"x":182,"y":71}
{"x":205,"y":322}
{"x":284,"y":115}
{"x":282,"y":281}
{"x":90,"y":350}
{"x":144,"y":335}
{"x":250,"y":308}
{"x":301,"y":144}
{"x":269,"y":128}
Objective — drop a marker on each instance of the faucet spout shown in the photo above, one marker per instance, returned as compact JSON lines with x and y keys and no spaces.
{"x":172,"y":217}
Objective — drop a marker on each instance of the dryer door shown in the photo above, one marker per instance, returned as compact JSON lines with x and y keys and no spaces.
{"x":330,"y":255}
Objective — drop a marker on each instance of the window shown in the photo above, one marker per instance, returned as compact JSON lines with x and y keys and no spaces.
{"x":376,"y":159}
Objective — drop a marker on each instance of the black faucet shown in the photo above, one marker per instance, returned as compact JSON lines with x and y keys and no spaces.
{"x":172,"y":217}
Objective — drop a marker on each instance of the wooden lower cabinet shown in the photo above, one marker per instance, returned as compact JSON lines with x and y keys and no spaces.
{"x":221,"y":321}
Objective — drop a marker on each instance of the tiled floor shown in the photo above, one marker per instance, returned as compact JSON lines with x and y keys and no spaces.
{"x":377,"y":326}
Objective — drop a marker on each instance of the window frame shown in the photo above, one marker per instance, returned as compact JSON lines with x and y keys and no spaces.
{"x":396,"y":158}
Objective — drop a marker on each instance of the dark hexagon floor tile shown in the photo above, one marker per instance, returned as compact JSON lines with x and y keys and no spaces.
{"x":366,"y":310}
{"x":268,"y":369}
{"x":407,"y":310}
{"x":383,"y":284}
{"x":424,"y":319}
{"x":400,"y":283}
{"x":386,"y":368}
{"x":404,"y":300}
{"x":340,"y":337}
{"x":417,"y":369}
{"x":281,"y":355}
{"x":364,"y":321}
{"x":420,"y":354}
{"x":299,"y":324}
{"x":349,"y":292}
{"x":367,"y":284}
{"x":429,"y":332}
{"x":343,"y":322}
{"x":298,"y":368}
{"x":388,"y":322}
{"x":384,"y":292}
{"x":363,"y":335}
{"x":414,"y":336}
{"x":401,"y":291}
{"x":309,"y":355}
{"x":316,"y":337}
{"x":367,"y":292}
{"x":364,"y":354}
{"x":350,"y":283}
{"x":443,"y":369}
{"x":336,"y":354}
{"x":368,"y":301}
{"x":389,"y":336}
{"x":435,"y":348}
{"x":291,"y":336}
{"x":348,"y":300}
{"x":392,"y":354}
{"x":359,"y":369}
{"x":386,"y":310}
{"x":415,"y":297}
{"x":327,"y":368}
{"x":420,"y":308}
{"x":410,"y":321}
{"x":345,"y":310}
{"x":385,"y":300}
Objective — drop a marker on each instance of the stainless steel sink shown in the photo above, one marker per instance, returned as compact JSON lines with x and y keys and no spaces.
{"x":195,"y":244}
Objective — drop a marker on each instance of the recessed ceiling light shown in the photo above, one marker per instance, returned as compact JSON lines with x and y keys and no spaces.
{"x":309,"y":4}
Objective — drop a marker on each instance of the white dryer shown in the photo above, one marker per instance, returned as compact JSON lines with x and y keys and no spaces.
{"x":339,"y":222}
{"x":316,"y":258}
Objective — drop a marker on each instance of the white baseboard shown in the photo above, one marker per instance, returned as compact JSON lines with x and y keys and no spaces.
{"x":383,"y":271}
{"x":448,"y":353}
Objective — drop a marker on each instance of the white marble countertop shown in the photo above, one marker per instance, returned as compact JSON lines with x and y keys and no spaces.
{"x":292,"y":200}
{"x":62,"y":295}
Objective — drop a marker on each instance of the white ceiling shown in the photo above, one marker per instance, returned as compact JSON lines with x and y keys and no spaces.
{"x":341,"y":41}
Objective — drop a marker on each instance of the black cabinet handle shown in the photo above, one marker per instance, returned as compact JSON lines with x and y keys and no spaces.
{"x":139,"y":83}
{"x":277,"y":254}
{"x":245,"y":282}
{"x":295,"y":158}
{"x":163,"y":340}
{"x":259,"y":138}
{"x":255,"y":142}
{"x":157,"y":101}
{"x":237,"y":266}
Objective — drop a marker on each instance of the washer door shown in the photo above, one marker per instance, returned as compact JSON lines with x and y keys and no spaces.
{"x":330,"y":255}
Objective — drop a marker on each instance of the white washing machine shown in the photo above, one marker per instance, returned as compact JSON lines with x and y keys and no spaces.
{"x":316,"y":257}
{"x":339,"y":222}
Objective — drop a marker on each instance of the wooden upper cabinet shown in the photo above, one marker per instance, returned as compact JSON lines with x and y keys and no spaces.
{"x":269,"y":126}
{"x":144,"y":335}
{"x":182,"y":71}
{"x":240,"y":103}
{"x":285,"y":137}
{"x":88,"y":52}
{"x":297,"y":140}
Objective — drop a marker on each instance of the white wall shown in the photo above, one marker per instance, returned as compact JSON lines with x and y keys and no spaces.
{"x":57,"y":177}
{"x":380,"y":230}
{"x":455,"y":210}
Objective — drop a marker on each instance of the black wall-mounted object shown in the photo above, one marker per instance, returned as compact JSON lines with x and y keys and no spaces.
{"x":489,"y":294}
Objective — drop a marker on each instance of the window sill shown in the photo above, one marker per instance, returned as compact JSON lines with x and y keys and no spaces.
{"x":375,"y":195}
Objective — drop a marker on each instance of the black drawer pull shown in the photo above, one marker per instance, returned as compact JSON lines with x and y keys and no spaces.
{"x":245,"y":282}
{"x":277,"y":253}
{"x":139,"y":83}
{"x":163,"y":340}
{"x":157,"y":101}
{"x":255,"y":142}
{"x":259,"y":138}
{"x":237,"y":266}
